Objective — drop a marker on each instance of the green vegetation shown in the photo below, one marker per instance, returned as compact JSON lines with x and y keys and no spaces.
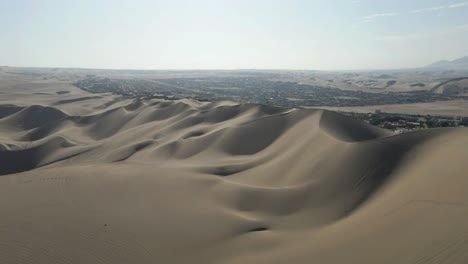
{"x":404,"y":122}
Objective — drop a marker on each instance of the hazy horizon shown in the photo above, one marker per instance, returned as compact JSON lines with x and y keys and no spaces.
{"x":224,"y":35}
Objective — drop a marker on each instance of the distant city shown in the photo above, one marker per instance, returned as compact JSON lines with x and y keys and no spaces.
{"x":259,"y":88}
{"x":301,"y":89}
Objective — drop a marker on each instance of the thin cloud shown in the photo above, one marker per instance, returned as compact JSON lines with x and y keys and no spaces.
{"x":458,"y":5}
{"x":429,"y":9}
{"x":435,"y":8}
{"x":431,"y":34}
{"x":369,"y":18}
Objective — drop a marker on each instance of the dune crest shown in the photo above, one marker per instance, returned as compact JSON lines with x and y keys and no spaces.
{"x":188,"y":182}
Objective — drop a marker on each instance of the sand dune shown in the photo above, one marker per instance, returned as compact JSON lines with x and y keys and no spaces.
{"x":149,"y":181}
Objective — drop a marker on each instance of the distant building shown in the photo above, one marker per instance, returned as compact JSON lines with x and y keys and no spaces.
{"x":464,"y":121}
{"x":413,"y":124}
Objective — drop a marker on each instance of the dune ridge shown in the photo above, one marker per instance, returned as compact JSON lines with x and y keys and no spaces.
{"x":190,"y":182}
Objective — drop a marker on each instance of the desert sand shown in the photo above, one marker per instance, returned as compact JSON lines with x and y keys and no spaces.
{"x":102,"y":180}
{"x":439,"y":108}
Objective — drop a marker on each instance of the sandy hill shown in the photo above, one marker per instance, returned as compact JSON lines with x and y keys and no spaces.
{"x":152,"y":181}
{"x":457,"y":64}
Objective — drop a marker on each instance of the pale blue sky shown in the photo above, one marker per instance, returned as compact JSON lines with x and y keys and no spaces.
{"x":205,"y":34}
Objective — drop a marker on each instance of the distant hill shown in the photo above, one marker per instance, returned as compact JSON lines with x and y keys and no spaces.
{"x":458,"y":64}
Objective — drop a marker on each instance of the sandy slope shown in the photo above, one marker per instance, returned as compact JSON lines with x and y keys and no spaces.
{"x":190,"y":182}
{"x":443,"y":108}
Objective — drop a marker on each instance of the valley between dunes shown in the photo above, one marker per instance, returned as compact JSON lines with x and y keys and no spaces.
{"x":149,"y":181}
